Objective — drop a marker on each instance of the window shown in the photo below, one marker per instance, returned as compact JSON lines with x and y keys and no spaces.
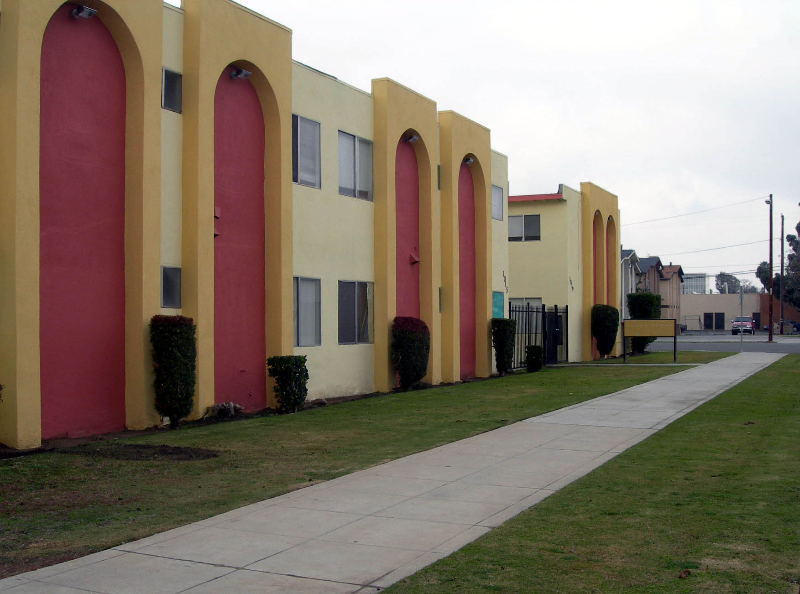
{"x":524,"y":228}
{"x":170,"y":287}
{"x":355,"y":312}
{"x":307,"y":306}
{"x":171,"y":90}
{"x":305,"y":152}
{"x":355,"y":166}
{"x":497,"y":203}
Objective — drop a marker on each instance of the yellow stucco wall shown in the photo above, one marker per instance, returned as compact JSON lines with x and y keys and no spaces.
{"x":597,"y":200}
{"x":171,"y":149}
{"x":575,"y":266}
{"x":136,"y":26}
{"x":500,"y":271}
{"x":459,"y":138}
{"x":333,"y":234}
{"x":398,"y":110}
{"x":538,"y":267}
{"x":218,"y":33}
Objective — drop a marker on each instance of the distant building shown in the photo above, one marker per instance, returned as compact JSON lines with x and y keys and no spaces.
{"x":629,"y":270}
{"x":695,"y":283}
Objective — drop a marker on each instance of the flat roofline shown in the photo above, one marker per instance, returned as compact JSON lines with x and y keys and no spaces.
{"x":535,"y":197}
{"x":331,"y":77}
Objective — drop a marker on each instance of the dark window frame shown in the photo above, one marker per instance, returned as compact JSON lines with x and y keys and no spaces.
{"x":168,"y":100}
{"x":362,"y":336}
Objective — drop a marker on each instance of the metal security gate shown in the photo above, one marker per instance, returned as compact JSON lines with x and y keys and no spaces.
{"x":543,"y":326}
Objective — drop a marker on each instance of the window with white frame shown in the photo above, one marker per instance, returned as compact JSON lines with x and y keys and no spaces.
{"x":355,"y":312}
{"x":307,"y":312}
{"x":497,"y":203}
{"x":355,"y":166}
{"x":305,"y":152}
{"x":524,"y":228}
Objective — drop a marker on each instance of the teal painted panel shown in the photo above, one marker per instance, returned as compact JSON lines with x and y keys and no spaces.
{"x":497,"y":304}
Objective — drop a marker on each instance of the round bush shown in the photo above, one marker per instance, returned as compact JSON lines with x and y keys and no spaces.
{"x":605,"y":323}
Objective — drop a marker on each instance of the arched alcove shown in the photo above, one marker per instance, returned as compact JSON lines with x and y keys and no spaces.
{"x":239,"y":243}
{"x":82,"y":181}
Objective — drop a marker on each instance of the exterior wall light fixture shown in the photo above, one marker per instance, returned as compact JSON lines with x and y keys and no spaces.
{"x":468,"y":161}
{"x":83,"y":12}
{"x":411,"y":138}
{"x":240,"y":73}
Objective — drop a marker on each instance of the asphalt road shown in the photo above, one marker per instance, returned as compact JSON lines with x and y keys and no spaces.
{"x":728,"y":343}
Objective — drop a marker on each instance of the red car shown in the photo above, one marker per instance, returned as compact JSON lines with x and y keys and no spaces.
{"x":742,"y":324}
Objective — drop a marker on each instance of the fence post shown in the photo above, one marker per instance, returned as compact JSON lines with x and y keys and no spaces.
{"x":566,"y":333}
{"x":544,"y":334}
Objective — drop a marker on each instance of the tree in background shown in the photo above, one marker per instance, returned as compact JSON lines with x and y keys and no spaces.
{"x":792,"y":271}
{"x":748,"y":287}
{"x":791,"y":294}
{"x":733,"y":283}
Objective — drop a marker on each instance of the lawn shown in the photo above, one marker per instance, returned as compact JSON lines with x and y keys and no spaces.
{"x":714,"y":497}
{"x":59,"y":505}
{"x":684,"y":357}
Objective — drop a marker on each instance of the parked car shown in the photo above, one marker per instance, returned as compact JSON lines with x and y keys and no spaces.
{"x":743,"y":324}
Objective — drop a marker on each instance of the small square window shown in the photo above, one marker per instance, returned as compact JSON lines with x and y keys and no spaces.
{"x":307,"y":312}
{"x":170,"y":287}
{"x":497,"y":203}
{"x":305,"y":152}
{"x":532,"y":232}
{"x":171,"y":90}
{"x":515,"y":228}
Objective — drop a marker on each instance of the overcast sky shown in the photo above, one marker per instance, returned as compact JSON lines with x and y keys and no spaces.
{"x":674,"y":106}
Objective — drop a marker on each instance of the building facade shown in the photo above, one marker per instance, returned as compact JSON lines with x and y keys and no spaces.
{"x":694,"y":283}
{"x":563,"y":250}
{"x":629,"y":271}
{"x":186,"y":165}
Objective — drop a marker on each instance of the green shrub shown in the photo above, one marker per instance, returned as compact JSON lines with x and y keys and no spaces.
{"x":411,"y":346}
{"x":503,"y":333}
{"x":605,"y":324}
{"x":174,"y":363}
{"x":291,"y":381}
{"x":643,"y":306}
{"x":533,"y":357}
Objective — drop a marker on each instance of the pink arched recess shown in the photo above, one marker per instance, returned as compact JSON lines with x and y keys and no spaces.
{"x":82,"y":226}
{"x":239,"y":260}
{"x":466,"y":270}
{"x":406,"y":184}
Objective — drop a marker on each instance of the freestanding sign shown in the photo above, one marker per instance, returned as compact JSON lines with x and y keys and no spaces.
{"x":665,"y":327}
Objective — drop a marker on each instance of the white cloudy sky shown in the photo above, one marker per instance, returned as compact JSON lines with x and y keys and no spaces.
{"x":675,"y":106}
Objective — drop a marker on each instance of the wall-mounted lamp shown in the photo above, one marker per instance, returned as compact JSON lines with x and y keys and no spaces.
{"x":468,"y":161}
{"x":240,"y":73}
{"x":411,"y":138}
{"x":83,"y":12}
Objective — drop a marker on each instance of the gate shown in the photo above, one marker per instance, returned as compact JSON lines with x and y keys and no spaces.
{"x":543,"y":326}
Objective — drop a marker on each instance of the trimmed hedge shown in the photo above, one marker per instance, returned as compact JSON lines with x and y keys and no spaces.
{"x":291,"y":381}
{"x":533,"y":357}
{"x":643,"y":306}
{"x":605,"y":324}
{"x":411,"y":347}
{"x":504,"y":331}
{"x":174,"y":348}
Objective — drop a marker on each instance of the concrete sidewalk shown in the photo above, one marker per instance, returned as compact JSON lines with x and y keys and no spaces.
{"x":367,"y":530}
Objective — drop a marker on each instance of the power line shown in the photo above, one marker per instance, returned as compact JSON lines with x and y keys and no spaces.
{"x":724,"y":247}
{"x":686,"y":214}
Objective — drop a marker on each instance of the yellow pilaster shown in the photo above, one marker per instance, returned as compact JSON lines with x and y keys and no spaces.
{"x":218,"y":33}
{"x":459,"y":138}
{"x":398,"y":111}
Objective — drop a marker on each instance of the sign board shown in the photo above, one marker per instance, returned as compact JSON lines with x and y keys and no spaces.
{"x":668,"y":327}
{"x":649,"y":328}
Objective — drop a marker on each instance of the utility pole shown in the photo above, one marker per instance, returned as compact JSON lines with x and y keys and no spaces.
{"x":771,"y":280}
{"x":780,"y":294}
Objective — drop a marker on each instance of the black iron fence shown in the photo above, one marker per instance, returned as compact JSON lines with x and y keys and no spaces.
{"x":543,"y":326}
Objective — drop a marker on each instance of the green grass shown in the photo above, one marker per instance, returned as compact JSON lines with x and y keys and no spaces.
{"x":56,"y":506}
{"x":716,"y":493}
{"x":684,"y":357}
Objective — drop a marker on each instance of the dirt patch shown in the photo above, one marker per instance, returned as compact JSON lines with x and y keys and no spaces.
{"x":125,"y":451}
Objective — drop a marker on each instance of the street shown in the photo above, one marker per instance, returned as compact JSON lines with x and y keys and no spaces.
{"x":726,"y":342}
